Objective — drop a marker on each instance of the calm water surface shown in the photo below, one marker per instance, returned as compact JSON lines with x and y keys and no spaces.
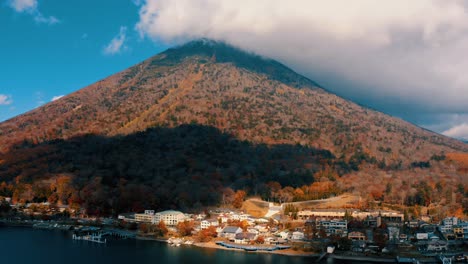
{"x":26,"y":246}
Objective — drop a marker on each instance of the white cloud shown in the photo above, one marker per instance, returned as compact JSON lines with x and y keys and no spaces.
{"x":55,"y":98}
{"x":51,"y":20}
{"x":409,"y":53}
{"x":23,"y":5}
{"x":31,"y":7}
{"x":459,"y":131}
{"x":117,"y":44}
{"x":5,"y":99}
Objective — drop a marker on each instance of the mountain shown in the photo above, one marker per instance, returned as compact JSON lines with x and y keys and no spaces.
{"x":212,"y":83}
{"x":206,"y":84}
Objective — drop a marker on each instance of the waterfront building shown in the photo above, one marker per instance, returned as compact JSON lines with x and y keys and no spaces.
{"x":230,"y":232}
{"x":244,"y":238}
{"x":297,"y":235}
{"x":169,"y":217}
{"x":146,"y":217}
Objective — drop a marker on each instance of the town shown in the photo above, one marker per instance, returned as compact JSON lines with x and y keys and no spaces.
{"x":386,"y":235}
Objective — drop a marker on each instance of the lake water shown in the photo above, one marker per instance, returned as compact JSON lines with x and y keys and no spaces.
{"x":27,"y":245}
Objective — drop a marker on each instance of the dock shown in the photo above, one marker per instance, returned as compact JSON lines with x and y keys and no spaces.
{"x":96,"y":238}
{"x":251,"y":248}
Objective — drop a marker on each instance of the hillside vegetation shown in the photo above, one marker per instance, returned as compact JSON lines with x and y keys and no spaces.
{"x":262,"y":128}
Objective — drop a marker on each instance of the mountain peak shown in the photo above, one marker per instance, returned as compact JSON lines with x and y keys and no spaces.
{"x":209,"y":50}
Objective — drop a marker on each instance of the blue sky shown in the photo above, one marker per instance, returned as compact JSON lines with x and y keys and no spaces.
{"x":43,"y":58}
{"x":404,"y":58}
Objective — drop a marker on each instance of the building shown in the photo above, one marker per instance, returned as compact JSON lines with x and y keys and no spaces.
{"x":356,"y":236}
{"x":128,"y":217}
{"x":437,"y":246}
{"x":243,"y":217}
{"x":297,"y":235}
{"x":393,"y":233}
{"x":147,"y":217}
{"x":169,"y":217}
{"x":207,"y":223}
{"x":244,"y":238}
{"x":447,"y":224}
{"x":461,"y":230}
{"x":334,"y":227}
{"x":230,"y":232}
{"x":284,"y":234}
{"x":224,"y":218}
{"x":388,"y":216}
{"x":422,"y":236}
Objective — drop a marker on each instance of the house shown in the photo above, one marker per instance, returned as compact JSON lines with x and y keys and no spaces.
{"x":230,"y":232}
{"x":207,"y":223}
{"x":284,"y":234}
{"x":200,"y":216}
{"x":169,"y":217}
{"x":356,"y":236}
{"x":461,"y":231}
{"x":253,"y":230}
{"x":235,"y":217}
{"x":422,"y":236}
{"x":244,"y":238}
{"x":297,"y":235}
{"x":261,"y":221}
{"x":224,"y":218}
{"x":413,"y":224}
{"x":243,"y":217}
{"x":275,"y":241}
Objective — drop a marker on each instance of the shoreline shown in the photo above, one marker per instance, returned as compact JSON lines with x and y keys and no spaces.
{"x":362,"y":258}
{"x":213,"y":245}
{"x":285,"y":252}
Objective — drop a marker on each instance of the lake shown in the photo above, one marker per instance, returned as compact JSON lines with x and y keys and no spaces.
{"x":27,"y":245}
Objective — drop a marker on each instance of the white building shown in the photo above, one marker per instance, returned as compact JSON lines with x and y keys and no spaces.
{"x":334,"y":227}
{"x":391,"y":216}
{"x":224,"y":218}
{"x":243,"y":217}
{"x":447,"y":224}
{"x":235,"y":217}
{"x":147,"y":217}
{"x":284,"y":234}
{"x":297,"y":235}
{"x":169,"y":217}
{"x":207,"y":223}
